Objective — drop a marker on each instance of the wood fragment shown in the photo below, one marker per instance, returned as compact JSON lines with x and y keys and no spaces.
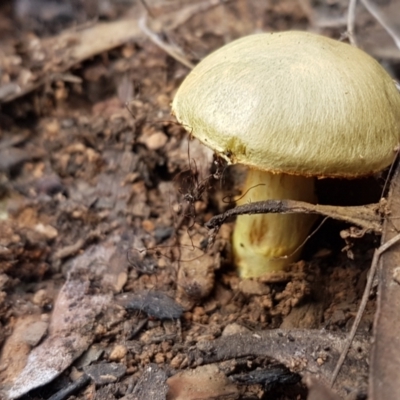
{"x":70,"y":250}
{"x":351,"y":22}
{"x":388,"y":15}
{"x":73,"y":47}
{"x":366,"y":217}
{"x":171,"y":50}
{"x":307,"y":352}
{"x":384,"y":375}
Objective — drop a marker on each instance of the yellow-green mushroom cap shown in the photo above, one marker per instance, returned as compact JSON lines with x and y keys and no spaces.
{"x":295,"y":103}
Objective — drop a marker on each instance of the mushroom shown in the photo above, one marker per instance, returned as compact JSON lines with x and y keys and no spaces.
{"x":290,"y":106}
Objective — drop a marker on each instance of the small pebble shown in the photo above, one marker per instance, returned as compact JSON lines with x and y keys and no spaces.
{"x":156,"y":141}
{"x":233,"y":329}
{"x":47,"y":231}
{"x":40,"y":298}
{"x":34,"y":334}
{"x":253,"y":287}
{"x":159,"y":358}
{"x":118,"y":353}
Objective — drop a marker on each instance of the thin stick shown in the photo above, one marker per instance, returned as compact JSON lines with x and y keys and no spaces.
{"x":146,"y":6}
{"x":366,"y":217}
{"x":363,"y":304}
{"x":172,"y":51}
{"x":351,"y":20}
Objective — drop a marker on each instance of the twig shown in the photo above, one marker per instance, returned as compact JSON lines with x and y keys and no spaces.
{"x":351,"y":20}
{"x":172,"y":51}
{"x":387,"y":14}
{"x":73,"y":47}
{"x":176,"y":19}
{"x":364,"y":300}
{"x":366,"y":217}
{"x":70,"y":250}
{"x":147,"y":8}
{"x":69,"y":390}
{"x":138,"y":328}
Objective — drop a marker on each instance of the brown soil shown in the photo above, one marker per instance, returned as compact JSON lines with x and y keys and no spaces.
{"x":81,"y":174}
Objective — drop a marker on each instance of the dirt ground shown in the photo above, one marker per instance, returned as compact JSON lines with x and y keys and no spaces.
{"x":104,"y":267}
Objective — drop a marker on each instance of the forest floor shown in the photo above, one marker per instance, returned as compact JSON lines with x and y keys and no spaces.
{"x":104,"y":270}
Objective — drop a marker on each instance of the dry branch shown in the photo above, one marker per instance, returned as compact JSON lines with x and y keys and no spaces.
{"x":72,"y":47}
{"x":308,"y":352}
{"x":366,"y":217}
{"x":60,"y":53}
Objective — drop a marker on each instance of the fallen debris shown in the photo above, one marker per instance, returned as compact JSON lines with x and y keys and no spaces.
{"x":104,"y":373}
{"x":267,"y":377}
{"x":154,"y":304}
{"x":202,"y":383}
{"x":71,"y":329}
{"x":307,"y":352}
{"x":366,"y":217}
{"x":385,"y":354}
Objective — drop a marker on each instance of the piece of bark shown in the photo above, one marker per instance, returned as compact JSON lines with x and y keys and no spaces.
{"x":385,"y":354}
{"x":307,"y":352}
{"x":72,"y":47}
{"x":74,"y":318}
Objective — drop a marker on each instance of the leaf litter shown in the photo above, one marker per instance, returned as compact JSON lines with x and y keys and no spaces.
{"x":92,"y":185}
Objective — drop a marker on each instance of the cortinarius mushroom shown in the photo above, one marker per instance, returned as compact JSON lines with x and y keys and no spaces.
{"x":290,"y":106}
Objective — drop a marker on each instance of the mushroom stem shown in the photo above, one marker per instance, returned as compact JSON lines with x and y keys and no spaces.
{"x":270,"y":242}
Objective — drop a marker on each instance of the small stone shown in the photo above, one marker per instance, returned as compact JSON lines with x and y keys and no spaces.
{"x":52,"y":127}
{"x":47,"y":231}
{"x":156,"y":141}
{"x":103,"y":374}
{"x":177,"y":361}
{"x":253,"y":287}
{"x":233,"y":329}
{"x":118,"y":353}
{"x":75,"y":374}
{"x":148,"y":225}
{"x":92,"y":354}
{"x":198,"y":311}
{"x":40,"y":298}
{"x":163,"y":100}
{"x":159,"y":358}
{"x":204,"y":382}
{"x":35,"y":332}
{"x":320,"y":361}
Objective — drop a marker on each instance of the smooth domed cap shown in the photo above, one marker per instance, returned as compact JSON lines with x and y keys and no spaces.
{"x":293,"y":102}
